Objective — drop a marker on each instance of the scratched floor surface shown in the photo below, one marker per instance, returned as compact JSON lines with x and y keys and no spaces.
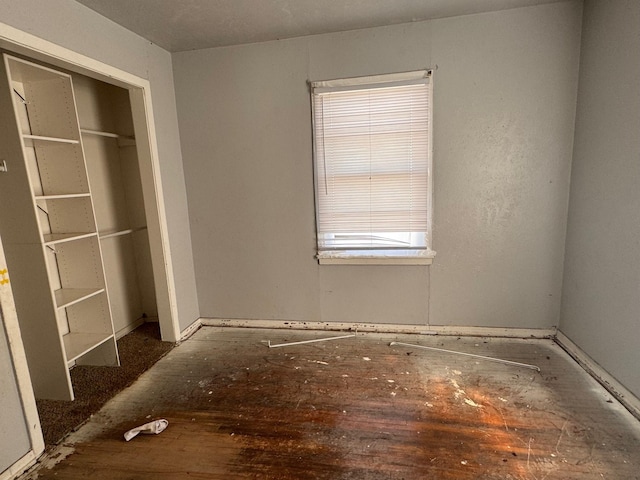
{"x":356,"y":408}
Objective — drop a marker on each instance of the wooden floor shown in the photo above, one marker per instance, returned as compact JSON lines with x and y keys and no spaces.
{"x":357,"y":408}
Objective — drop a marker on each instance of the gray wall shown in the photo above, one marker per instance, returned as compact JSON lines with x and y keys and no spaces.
{"x":71,"y":25}
{"x":14,"y":441}
{"x":504,"y":93}
{"x":601,"y":304}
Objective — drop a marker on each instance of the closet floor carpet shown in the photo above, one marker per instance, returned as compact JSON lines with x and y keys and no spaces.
{"x":94,"y":386}
{"x":356,"y":408}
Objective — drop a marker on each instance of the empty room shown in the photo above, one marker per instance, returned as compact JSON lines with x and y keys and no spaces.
{"x":332,"y":239}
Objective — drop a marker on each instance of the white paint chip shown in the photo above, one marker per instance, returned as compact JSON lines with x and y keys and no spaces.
{"x":470,"y":402}
{"x":318,"y":362}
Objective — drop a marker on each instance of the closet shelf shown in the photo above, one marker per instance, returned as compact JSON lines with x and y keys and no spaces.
{"x":51,"y":239}
{"x":62,"y":196}
{"x":99,"y":133}
{"x":123,"y":140}
{"x":77,"y":344}
{"x":41,"y":141}
{"x":119,"y":233}
{"x":65,"y":297}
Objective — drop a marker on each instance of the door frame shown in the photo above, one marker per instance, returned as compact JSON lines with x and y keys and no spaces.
{"x":21,"y":370}
{"x":22,"y":43}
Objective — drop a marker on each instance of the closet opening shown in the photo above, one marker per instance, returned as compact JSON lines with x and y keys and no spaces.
{"x":83,"y":225}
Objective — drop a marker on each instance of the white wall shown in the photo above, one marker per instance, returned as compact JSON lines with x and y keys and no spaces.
{"x":504,"y":92}
{"x":601,"y":301}
{"x":73,"y":26}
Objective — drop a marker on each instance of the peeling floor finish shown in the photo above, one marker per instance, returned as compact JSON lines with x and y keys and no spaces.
{"x":356,"y":408}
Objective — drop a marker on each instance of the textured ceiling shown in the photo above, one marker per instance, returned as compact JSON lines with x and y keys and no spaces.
{"x":178,"y":25}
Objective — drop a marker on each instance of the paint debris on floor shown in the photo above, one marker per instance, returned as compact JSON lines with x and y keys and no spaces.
{"x":357,"y":408}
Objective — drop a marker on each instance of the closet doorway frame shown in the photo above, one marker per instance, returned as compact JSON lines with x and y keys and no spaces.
{"x":34,"y":48}
{"x":9,"y":323}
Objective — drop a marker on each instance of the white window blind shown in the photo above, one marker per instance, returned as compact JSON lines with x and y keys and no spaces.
{"x":372,"y":164}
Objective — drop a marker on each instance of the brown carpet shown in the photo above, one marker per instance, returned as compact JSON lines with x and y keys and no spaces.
{"x":94,"y":386}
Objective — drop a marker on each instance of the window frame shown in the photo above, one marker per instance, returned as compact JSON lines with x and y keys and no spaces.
{"x":361,"y":256}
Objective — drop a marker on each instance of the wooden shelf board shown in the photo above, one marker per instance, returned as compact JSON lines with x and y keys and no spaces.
{"x":99,"y":133}
{"x":23,"y":69}
{"x":65,"y":297}
{"x":32,"y":140}
{"x":123,"y":140}
{"x":77,"y":344}
{"x":118,"y":233}
{"x":55,"y":238}
{"x":62,"y":196}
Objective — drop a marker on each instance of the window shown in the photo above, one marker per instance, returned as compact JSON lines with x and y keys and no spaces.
{"x":372,"y":157}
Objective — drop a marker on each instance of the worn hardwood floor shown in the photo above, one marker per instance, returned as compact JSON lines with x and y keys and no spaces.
{"x":356,"y":408}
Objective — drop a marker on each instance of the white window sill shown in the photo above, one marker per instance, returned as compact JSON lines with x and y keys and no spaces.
{"x":346,"y":258}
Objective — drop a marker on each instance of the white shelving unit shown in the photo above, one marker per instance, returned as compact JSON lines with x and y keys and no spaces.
{"x":48,"y":221}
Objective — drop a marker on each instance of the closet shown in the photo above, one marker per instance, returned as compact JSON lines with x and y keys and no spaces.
{"x":72,"y":219}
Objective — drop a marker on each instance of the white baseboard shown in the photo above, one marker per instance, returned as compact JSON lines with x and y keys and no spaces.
{"x":615,"y":388}
{"x":382,"y":328}
{"x":190,"y":330}
{"x":129,"y":328}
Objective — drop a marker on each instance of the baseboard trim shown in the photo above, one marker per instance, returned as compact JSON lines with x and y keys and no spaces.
{"x":129,"y":328}
{"x":190,"y":330}
{"x":613,"y":386}
{"x":382,"y":328}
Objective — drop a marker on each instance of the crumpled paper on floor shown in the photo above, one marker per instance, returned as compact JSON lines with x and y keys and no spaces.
{"x":155,"y":427}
